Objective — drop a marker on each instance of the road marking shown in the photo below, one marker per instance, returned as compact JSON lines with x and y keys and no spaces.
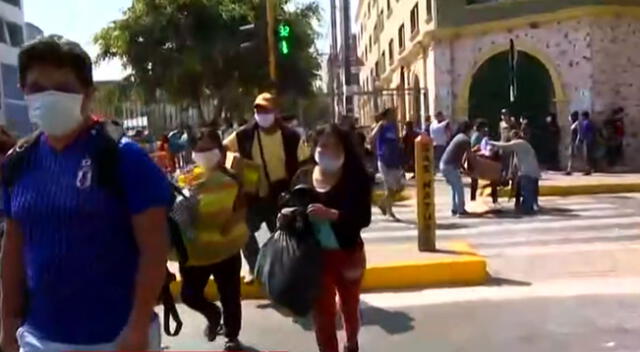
{"x":549,"y":289}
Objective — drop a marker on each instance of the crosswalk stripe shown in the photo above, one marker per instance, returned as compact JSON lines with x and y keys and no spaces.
{"x":520,"y":240}
{"x":523,"y":225}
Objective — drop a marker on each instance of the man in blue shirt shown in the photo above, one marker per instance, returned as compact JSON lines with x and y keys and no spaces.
{"x":82,"y":265}
{"x":587,"y":138}
{"x":390,"y":159}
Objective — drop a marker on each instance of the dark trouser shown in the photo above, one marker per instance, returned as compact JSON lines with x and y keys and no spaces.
{"x":474,"y":190}
{"x":227,"y":277}
{"x":438,"y":150}
{"x":260,"y":211}
{"x":529,"y":189}
{"x":590,"y":156}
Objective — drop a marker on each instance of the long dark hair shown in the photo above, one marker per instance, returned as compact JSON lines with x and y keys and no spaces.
{"x":353,"y":167}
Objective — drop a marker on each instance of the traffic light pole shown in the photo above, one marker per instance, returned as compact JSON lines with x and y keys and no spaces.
{"x":271,"y":11}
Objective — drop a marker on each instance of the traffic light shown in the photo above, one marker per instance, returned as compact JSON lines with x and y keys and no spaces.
{"x":248,"y":35}
{"x":284,"y":39}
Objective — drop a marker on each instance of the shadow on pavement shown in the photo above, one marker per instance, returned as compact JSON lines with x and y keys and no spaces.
{"x":392,"y":322}
{"x":501,"y":281}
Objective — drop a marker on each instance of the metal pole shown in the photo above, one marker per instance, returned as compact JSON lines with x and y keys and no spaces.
{"x":333,"y":60}
{"x":346,"y":52}
{"x":271,"y":10}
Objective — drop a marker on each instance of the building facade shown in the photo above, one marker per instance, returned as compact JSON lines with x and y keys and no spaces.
{"x":424,"y":56}
{"x":13,"y":109}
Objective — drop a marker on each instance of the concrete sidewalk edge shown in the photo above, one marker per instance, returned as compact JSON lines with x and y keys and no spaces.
{"x":578,"y":189}
{"x":464,"y":268}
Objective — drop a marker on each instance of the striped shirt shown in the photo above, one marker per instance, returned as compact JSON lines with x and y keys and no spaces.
{"x":80,"y":251}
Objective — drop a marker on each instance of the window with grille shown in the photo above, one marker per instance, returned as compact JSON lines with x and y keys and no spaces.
{"x":391,"y":57}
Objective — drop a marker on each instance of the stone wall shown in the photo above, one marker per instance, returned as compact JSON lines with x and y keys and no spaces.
{"x":616,"y":76}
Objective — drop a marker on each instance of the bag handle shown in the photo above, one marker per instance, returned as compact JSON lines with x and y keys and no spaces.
{"x":170,"y":312}
{"x":264,"y":162}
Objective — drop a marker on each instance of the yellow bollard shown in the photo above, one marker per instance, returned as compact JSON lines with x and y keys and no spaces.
{"x":425,"y":197}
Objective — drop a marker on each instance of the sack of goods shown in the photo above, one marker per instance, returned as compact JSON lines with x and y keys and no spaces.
{"x":290,"y":262}
{"x":484,"y":168}
{"x":211,"y":232}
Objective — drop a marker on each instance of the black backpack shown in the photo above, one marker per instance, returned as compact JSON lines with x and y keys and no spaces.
{"x":104,"y":156}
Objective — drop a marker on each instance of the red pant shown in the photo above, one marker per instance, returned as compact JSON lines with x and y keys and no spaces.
{"x":342,"y":272}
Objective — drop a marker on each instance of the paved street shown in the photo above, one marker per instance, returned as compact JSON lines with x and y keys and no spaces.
{"x":576,"y":315}
{"x":567,"y":279}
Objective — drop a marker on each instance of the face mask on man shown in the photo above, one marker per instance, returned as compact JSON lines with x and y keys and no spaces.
{"x":208,"y":159}
{"x":328,"y":163}
{"x":55,"y":113}
{"x":265,"y":120}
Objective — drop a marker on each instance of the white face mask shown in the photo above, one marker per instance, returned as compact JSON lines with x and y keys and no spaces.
{"x":209,"y":159}
{"x":55,"y":113}
{"x":265,"y":120}
{"x":328,"y":163}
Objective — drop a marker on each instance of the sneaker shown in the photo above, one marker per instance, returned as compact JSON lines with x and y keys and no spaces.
{"x":588,"y":173}
{"x":568,"y":173}
{"x":454,"y":213}
{"x":463,"y":214}
{"x":233,"y":345}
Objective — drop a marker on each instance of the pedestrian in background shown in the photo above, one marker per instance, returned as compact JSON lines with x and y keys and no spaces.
{"x":81,"y":267}
{"x":390,"y":159}
{"x":408,"y":146}
{"x":344,"y":188}
{"x":587,"y":139}
{"x":505,"y":125}
{"x":440,"y":132}
{"x":452,"y":163}
{"x":224,"y":219}
{"x":552,"y":142}
{"x":278,"y":150}
{"x":527,"y":168}
{"x":480,"y":145}
{"x":573,"y":148}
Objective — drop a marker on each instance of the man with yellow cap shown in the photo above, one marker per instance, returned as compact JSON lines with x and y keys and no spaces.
{"x":278,"y":150}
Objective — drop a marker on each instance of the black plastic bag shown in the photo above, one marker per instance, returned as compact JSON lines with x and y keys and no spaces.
{"x":290,"y":262}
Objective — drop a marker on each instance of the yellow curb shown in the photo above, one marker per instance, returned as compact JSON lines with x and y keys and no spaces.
{"x":577,"y":189}
{"x":466,"y":269}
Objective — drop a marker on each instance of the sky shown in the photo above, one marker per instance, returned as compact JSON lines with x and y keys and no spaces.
{"x":79,"y":20}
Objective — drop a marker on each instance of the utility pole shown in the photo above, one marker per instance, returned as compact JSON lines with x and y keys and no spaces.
{"x":333,"y":60}
{"x":346,"y":45}
{"x":272,"y":7}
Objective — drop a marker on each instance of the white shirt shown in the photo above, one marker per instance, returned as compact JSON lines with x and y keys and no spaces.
{"x":439,"y":132}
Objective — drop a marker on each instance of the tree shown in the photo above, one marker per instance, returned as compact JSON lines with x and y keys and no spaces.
{"x":189,"y":50}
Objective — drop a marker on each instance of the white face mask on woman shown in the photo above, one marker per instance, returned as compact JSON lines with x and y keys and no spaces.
{"x":55,"y":113}
{"x":328,"y":163}
{"x":208,"y":159}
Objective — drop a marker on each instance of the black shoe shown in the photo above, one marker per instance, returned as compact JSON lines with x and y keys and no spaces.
{"x":233,"y":345}
{"x":213,"y":329}
{"x":351,"y":348}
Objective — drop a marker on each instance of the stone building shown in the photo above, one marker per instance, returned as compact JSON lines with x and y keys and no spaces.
{"x":424,"y":56}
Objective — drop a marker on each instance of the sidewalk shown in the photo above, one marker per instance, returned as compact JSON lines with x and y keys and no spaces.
{"x":394,"y":267}
{"x":558,"y":184}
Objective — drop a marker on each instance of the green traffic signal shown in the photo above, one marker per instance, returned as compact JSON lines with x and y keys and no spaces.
{"x":284,"y":47}
{"x":284,"y":30}
{"x":284,"y":35}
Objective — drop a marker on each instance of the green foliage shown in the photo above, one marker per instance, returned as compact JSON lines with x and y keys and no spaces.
{"x":189,"y":50}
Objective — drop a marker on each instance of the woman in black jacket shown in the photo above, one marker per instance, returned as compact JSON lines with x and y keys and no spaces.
{"x":344,"y":188}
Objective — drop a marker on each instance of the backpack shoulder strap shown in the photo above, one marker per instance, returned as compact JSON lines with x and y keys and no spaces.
{"x":16,"y":160}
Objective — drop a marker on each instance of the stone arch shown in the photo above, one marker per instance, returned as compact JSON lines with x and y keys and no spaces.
{"x":560,"y":98}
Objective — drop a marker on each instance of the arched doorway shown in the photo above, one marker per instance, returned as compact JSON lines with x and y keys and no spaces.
{"x":489,"y":91}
